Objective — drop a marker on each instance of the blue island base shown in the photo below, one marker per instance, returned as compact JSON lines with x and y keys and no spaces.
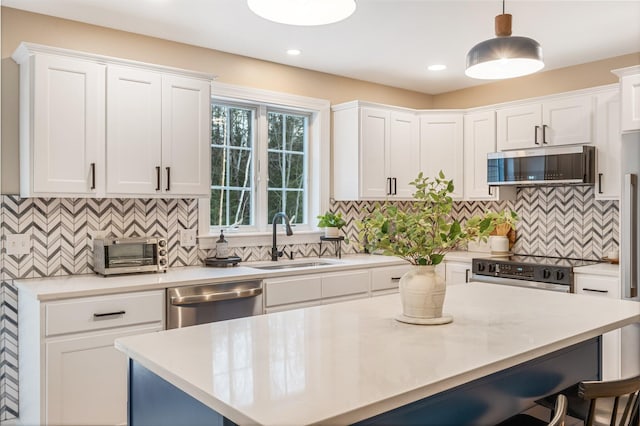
{"x":156,"y":402}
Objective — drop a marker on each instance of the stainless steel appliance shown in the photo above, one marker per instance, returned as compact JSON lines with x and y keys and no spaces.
{"x":545,"y":273}
{"x":201,"y":304}
{"x":630,"y":247}
{"x":550,"y":165}
{"x":113,"y":256}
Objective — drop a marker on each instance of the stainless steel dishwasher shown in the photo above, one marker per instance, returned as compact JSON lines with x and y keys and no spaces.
{"x":204,"y":303}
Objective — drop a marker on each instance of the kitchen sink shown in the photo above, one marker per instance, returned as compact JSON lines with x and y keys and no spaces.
{"x":294,"y":265}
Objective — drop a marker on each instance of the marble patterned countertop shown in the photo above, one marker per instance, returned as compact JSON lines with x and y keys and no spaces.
{"x":340,"y":363}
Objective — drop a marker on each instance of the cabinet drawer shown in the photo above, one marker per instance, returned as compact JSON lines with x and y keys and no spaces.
{"x":387,"y":278}
{"x":292,"y":290}
{"x":95,"y":313}
{"x":345,"y":283}
{"x":596,"y":285}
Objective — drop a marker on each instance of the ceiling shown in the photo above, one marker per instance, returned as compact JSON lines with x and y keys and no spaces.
{"x":389,"y":42}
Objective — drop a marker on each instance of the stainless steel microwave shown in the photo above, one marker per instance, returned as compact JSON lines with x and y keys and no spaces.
{"x":543,"y":166}
{"x":113,"y":256}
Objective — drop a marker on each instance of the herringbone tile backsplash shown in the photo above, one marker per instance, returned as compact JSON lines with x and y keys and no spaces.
{"x":558,"y":221}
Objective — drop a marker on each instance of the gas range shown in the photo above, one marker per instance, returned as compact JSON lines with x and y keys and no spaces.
{"x":550,"y":273}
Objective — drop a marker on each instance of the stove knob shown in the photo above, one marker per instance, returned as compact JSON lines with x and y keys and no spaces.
{"x":481,"y":267}
{"x":162,"y":243}
{"x":492,"y":267}
{"x":546,"y":273}
{"x":559,"y":275}
{"x":162,"y":262}
{"x":162,"y":252}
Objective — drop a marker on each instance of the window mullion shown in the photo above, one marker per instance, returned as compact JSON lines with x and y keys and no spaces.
{"x":261,"y":179}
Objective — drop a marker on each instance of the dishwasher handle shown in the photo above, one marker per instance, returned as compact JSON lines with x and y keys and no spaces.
{"x":215,"y":296}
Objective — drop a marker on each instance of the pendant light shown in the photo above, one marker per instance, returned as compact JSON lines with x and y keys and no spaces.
{"x":303,"y":12}
{"x":504,"y":56}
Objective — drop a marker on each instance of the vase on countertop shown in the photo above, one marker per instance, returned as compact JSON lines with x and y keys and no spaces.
{"x":422,"y":292}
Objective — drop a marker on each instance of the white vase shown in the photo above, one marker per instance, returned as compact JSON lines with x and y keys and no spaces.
{"x":499,"y":244}
{"x":422,"y":292}
{"x":331,"y":232}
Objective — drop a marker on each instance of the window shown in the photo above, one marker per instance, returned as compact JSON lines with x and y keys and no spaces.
{"x":267,"y":155}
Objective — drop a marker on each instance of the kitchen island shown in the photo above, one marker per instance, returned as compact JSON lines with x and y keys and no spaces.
{"x":352,"y":362}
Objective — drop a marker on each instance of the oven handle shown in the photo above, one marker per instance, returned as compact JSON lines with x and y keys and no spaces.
{"x":520,"y":283}
{"x":215,"y":296}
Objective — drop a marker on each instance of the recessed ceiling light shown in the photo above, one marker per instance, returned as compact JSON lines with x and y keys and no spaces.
{"x":294,"y":52}
{"x":306,"y":12}
{"x":437,"y":67}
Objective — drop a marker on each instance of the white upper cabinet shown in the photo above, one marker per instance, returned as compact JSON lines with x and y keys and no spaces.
{"x":630,"y":91}
{"x":95,"y":126}
{"x":441,"y":147}
{"x":385,"y":143}
{"x":186,"y":135}
{"x":403,"y":154}
{"x":562,"y":121}
{"x":157,"y":133}
{"x":133,"y":131}
{"x":61,"y":126}
{"x":479,"y":140}
{"x":608,"y":142}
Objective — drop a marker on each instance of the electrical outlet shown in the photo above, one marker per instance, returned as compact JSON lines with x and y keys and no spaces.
{"x":18,"y":244}
{"x":187,"y":237}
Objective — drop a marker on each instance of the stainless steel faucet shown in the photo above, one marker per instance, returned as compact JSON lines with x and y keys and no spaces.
{"x":275,"y":254}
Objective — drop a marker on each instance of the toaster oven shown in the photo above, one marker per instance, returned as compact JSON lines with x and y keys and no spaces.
{"x":113,"y":256}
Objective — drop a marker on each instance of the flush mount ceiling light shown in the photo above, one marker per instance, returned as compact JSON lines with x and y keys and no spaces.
{"x":303,"y":12}
{"x":504,"y":56}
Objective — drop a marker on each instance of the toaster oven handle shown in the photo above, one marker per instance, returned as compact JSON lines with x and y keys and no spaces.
{"x":215,"y":296}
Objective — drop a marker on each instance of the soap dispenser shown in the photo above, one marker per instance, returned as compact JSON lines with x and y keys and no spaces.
{"x":222,"y":247}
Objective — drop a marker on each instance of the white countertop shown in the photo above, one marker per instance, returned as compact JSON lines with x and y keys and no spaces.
{"x":607,"y":269}
{"x":349,"y":361}
{"x":53,"y":288}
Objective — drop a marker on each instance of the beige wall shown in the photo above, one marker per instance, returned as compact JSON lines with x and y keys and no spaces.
{"x":544,"y":83}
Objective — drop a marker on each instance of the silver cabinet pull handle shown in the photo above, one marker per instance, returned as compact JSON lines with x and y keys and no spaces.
{"x":596,"y":291}
{"x":168,"y":178}
{"x":395,"y":279}
{"x":215,"y":297}
{"x":109,"y":314}
{"x":544,"y":134}
{"x":535,"y":135}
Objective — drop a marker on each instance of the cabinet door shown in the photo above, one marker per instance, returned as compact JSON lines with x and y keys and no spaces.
{"x":630,"y":89}
{"x":388,"y":278}
{"x":86,"y":378}
{"x":345,"y":283}
{"x":283,"y":291}
{"x":568,"y":121}
{"x":133,"y":131}
{"x":441,"y":148}
{"x":186,"y":136}
{"x":404,"y":154}
{"x":457,"y":273}
{"x":604,"y":286}
{"x":374,"y":137}
{"x":608,"y":143}
{"x":519,"y":127}
{"x":68,"y":127}
{"x":479,"y":140}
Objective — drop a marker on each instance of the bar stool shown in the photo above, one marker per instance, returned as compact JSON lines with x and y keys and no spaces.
{"x":613,"y":402}
{"x":559,"y":415}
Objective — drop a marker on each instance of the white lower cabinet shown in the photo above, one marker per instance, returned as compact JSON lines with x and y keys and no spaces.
{"x":604,"y":286}
{"x":457,"y":272}
{"x":70,"y":372}
{"x":282,"y":294}
{"x":87,"y":378}
{"x":386,"y":280}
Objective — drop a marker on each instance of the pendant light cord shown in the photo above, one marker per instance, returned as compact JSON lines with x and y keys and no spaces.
{"x":503,"y":7}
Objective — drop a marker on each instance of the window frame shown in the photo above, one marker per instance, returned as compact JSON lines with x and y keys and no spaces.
{"x":318,"y":152}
